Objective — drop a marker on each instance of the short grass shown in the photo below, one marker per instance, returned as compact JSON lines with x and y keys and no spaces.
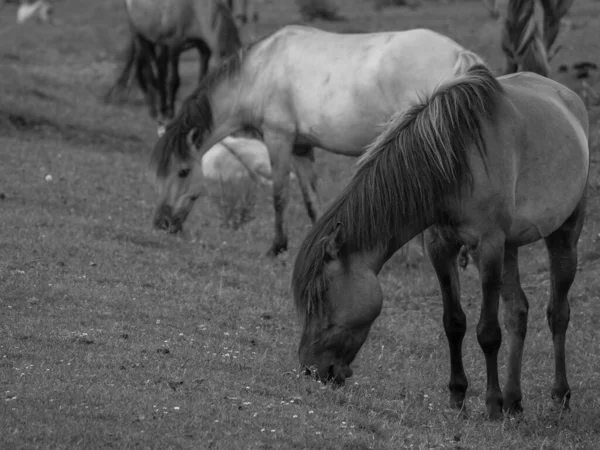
{"x":116,"y":335}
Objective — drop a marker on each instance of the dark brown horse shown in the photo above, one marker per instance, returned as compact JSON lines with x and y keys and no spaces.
{"x":492,"y":163}
{"x":160,"y":31}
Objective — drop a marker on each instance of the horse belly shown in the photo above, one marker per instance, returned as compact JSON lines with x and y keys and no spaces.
{"x":159,"y":21}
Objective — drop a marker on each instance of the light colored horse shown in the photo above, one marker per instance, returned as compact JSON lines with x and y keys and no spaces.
{"x":236,"y":158}
{"x":300,"y":87}
{"x":493,"y":163}
{"x":30,"y":9}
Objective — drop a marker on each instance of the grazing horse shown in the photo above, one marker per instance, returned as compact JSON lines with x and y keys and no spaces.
{"x":299,"y":88}
{"x":492,"y":163}
{"x":236,"y":158}
{"x":160,"y":31}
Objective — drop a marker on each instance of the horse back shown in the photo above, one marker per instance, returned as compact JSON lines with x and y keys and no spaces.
{"x":173,"y":21}
{"x":342,"y":87}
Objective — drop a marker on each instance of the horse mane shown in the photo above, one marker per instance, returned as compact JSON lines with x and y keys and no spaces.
{"x":420,"y":158}
{"x":195,"y":112}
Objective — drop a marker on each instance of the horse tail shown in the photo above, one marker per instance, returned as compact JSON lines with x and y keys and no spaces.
{"x":466,"y":59}
{"x":122,"y":86}
{"x":522,"y":39}
{"x":554,"y":11}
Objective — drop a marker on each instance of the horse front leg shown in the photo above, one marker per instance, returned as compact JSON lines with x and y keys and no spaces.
{"x":204,"y":53}
{"x":562,"y":250}
{"x":145,"y":74}
{"x":490,"y":258}
{"x":173,"y":81}
{"x":162,"y":62}
{"x":442,"y":254}
{"x":280,"y":152}
{"x":304,"y":160}
{"x":516,"y":310}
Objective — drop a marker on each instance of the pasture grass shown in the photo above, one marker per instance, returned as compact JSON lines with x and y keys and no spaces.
{"x":117,"y":335}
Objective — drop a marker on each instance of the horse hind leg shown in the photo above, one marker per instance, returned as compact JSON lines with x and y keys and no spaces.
{"x":442,"y":253}
{"x":304,"y":160}
{"x":515,"y":321}
{"x":490,"y":257}
{"x":562,"y":251}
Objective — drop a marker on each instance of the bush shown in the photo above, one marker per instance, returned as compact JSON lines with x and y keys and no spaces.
{"x":318,"y":9}
{"x":235,"y":201}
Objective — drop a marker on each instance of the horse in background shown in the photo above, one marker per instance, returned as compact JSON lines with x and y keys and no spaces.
{"x":236,"y":158}
{"x":529,"y":34}
{"x":41,"y":10}
{"x":495,"y":164}
{"x":160,"y":30}
{"x":299,"y":88}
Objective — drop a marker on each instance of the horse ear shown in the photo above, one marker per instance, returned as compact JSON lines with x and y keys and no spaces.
{"x":334,"y":241}
{"x":191,"y":138}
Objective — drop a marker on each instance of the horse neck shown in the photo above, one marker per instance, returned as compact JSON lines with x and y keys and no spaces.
{"x":376,"y":258}
{"x":229,"y":111}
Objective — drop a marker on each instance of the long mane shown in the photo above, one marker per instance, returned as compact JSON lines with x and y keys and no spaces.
{"x":421,"y":157}
{"x":195,"y":112}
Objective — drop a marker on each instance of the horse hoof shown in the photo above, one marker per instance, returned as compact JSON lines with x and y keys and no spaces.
{"x":494,"y":408}
{"x":276,"y":250}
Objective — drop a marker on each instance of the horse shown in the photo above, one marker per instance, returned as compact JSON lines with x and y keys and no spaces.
{"x":29,"y":9}
{"x":299,"y":88}
{"x":495,"y":164}
{"x":236,"y":158}
{"x":160,"y":31}
{"x":529,"y":33}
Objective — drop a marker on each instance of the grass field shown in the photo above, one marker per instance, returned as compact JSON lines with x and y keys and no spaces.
{"x":114,"y":335}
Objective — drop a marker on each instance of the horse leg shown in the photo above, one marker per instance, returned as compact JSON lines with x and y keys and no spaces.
{"x":562,"y":250}
{"x":280,"y":151}
{"x":510,"y":66}
{"x":204,"y":53}
{"x":173,"y":81}
{"x":162,"y":61}
{"x":442,"y":254}
{"x":490,"y":259}
{"x":515,"y":321}
{"x":145,"y":74}
{"x":304,"y":159}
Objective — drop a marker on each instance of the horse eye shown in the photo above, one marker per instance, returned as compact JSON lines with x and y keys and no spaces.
{"x":183,"y":173}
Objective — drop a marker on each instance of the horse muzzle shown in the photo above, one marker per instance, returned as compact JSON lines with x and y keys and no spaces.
{"x":165,"y":220}
{"x":333,"y":373}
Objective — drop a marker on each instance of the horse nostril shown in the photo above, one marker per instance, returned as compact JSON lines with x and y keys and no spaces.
{"x":163,"y":223}
{"x":330,"y":373}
